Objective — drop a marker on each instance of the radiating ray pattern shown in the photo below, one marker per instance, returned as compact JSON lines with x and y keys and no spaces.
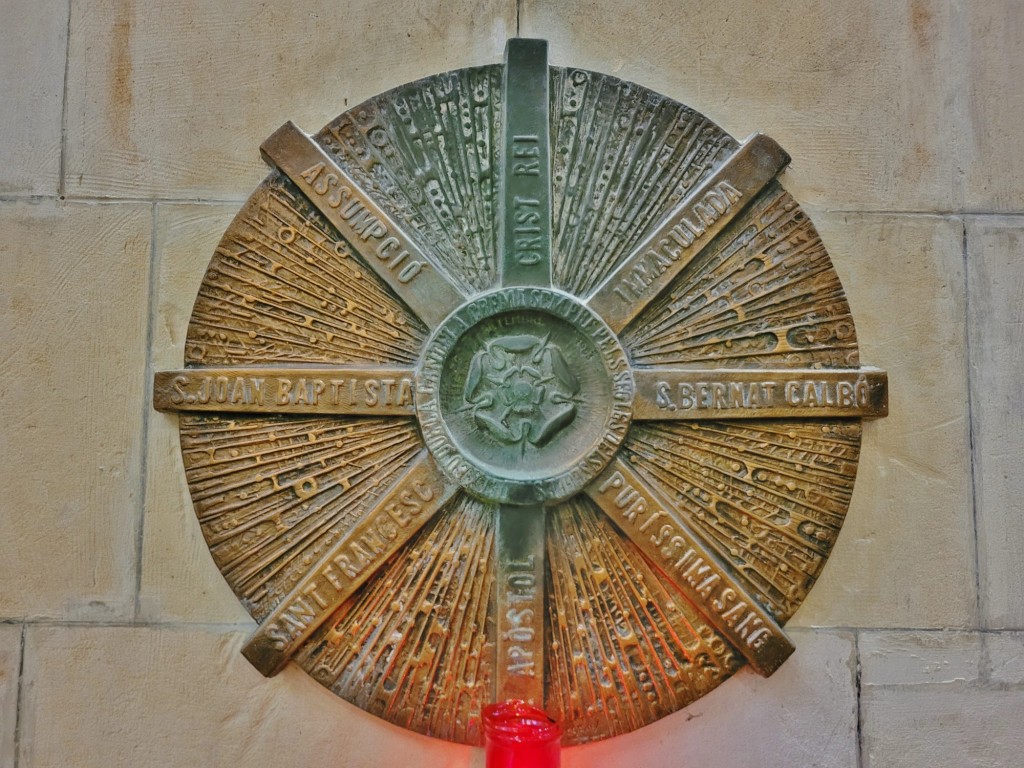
{"x":272,"y":493}
{"x":283,"y":287}
{"x":626,"y":648}
{"x":621,"y":158}
{"x":769,"y":497}
{"x":416,"y":645}
{"x":764,"y":294}
{"x":428,"y":153}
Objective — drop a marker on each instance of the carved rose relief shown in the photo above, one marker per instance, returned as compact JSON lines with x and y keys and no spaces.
{"x":521,"y":390}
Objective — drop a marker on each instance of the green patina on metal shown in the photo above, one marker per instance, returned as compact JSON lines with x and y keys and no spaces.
{"x":521,"y":381}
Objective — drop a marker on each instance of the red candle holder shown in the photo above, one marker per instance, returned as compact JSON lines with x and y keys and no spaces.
{"x":517,"y":735}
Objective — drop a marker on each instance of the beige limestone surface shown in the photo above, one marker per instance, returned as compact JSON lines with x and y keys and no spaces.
{"x":72,"y":399}
{"x":966,"y":727}
{"x":993,"y":60}
{"x":913,"y":658}
{"x":31,"y":96}
{"x":172,"y":100}
{"x":995,"y":247}
{"x":10,"y":677}
{"x":1004,"y":657}
{"x":129,"y":134}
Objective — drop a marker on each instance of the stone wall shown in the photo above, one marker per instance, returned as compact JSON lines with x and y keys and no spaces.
{"x":128,"y":137}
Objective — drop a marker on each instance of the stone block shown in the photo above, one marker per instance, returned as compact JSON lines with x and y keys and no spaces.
{"x":179,"y":579}
{"x":805,"y":714}
{"x":173,"y":100}
{"x":947,"y":725}
{"x":914,"y":658}
{"x":991,"y":155}
{"x":996,"y":280}
{"x":905,"y":554}
{"x":1004,"y":657}
{"x":123,"y":697}
{"x":33,"y":39}
{"x":73,"y":317}
{"x":864,"y":98}
{"x":10,"y":668}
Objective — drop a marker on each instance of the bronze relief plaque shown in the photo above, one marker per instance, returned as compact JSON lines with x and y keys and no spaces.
{"x":524,"y":382}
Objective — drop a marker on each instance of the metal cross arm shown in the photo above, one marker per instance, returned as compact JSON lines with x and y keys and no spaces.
{"x":686,"y":230}
{"x":412,"y":500}
{"x":524,"y":260}
{"x":274,"y":390}
{"x":661,"y":534}
{"x":383,"y":245}
{"x":739,"y":393}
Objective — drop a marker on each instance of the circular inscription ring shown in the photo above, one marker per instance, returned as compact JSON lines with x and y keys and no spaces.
{"x":523,"y":395}
{"x":521,"y":382}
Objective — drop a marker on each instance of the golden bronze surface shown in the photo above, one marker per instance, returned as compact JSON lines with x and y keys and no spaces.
{"x":523,"y":382}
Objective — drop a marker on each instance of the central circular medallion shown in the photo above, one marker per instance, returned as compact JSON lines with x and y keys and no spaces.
{"x":524,"y":395}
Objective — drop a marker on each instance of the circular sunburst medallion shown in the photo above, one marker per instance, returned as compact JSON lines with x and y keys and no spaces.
{"x":521,"y":382}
